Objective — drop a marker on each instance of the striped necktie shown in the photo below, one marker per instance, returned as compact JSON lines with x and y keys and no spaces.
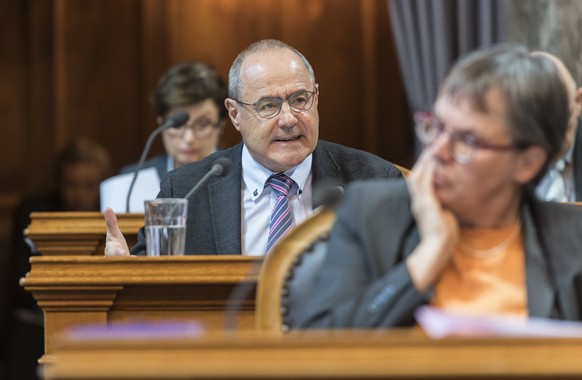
{"x":281,"y":217}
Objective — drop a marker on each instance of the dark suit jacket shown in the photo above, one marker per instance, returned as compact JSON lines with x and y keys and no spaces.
{"x":214,"y":214}
{"x":364,"y":281}
{"x":159,"y":162}
{"x":577,"y":162}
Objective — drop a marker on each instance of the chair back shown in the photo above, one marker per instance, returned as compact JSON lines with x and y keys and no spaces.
{"x":405,"y":172}
{"x":288,"y":272}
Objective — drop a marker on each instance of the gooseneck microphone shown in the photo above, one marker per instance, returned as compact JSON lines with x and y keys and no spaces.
{"x":219,"y":168}
{"x":174,"y":121}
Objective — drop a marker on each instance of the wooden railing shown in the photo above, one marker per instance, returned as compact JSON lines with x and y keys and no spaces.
{"x":77,"y":233}
{"x":77,"y":290}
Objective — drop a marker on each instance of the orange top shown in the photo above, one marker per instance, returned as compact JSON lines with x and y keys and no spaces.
{"x":484,"y":280}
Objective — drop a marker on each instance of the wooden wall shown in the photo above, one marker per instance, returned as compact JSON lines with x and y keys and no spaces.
{"x":87,"y":67}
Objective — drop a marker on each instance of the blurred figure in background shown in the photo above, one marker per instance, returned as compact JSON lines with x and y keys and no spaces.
{"x":465,"y":232}
{"x":194,"y":88}
{"x":80,"y":167}
{"x":563,"y":180}
{"x":191,"y":87}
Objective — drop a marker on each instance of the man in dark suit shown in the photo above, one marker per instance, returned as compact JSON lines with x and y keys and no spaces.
{"x":273,"y":97}
{"x":563,"y":180}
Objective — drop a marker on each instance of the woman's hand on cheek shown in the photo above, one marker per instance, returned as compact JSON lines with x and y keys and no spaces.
{"x":438,"y":227}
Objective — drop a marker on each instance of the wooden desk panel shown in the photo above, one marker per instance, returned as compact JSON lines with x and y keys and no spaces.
{"x":76,"y":290}
{"x":77,"y":233}
{"x":392,"y":354}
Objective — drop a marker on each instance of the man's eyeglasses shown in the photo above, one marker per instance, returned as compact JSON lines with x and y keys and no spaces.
{"x":200,"y":128}
{"x":461,"y":145}
{"x":268,"y":108}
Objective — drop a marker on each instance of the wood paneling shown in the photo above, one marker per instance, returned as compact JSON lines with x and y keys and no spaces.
{"x":358,"y":354}
{"x":13,"y":92}
{"x":78,"y":290}
{"x":98,"y":80}
{"x":72,"y":68}
{"x":77,"y":233}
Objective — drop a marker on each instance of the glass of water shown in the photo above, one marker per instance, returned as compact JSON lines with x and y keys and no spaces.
{"x":165,"y":226}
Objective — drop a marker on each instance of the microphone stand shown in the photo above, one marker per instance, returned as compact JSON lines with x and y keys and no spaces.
{"x":175,"y":121}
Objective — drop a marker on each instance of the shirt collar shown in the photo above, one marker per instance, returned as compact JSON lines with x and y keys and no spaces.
{"x":255,"y":175}
{"x":570,"y":152}
{"x":566,"y":159}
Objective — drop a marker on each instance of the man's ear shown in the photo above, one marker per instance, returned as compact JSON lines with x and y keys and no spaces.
{"x":316,"y":95}
{"x":233,"y":112}
{"x":529,"y":163}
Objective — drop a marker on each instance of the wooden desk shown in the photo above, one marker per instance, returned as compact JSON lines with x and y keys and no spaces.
{"x":74,"y":290}
{"x":77,"y":233}
{"x":347,"y":355}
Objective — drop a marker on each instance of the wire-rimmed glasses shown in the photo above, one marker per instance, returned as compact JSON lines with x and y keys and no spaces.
{"x":461,"y":145}
{"x":200,"y":128}
{"x":270,"y":107}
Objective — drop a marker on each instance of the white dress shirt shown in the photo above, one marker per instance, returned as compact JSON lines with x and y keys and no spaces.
{"x":258,"y":201}
{"x":558,"y":183}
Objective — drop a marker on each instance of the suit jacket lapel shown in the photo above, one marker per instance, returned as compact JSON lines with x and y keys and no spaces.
{"x":561,"y":257}
{"x":324,"y":168}
{"x":577,"y":162}
{"x":541,"y":294}
{"x":225,"y":208}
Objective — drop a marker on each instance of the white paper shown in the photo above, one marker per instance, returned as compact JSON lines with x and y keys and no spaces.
{"x":438,"y":323}
{"x":114,"y":190}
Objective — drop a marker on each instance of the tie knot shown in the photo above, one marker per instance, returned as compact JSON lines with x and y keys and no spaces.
{"x":280,"y":183}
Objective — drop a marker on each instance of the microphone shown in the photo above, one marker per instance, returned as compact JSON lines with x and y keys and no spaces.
{"x":328,"y":193}
{"x":174,"y":121}
{"x":219,"y":168}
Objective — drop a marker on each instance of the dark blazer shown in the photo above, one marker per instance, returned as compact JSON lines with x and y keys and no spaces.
{"x":364,"y":281}
{"x":159,"y":162}
{"x":577,"y":162}
{"x":214,"y":214}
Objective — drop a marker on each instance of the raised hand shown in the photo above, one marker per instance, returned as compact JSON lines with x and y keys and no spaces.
{"x":438,"y":226}
{"x":115,"y":244}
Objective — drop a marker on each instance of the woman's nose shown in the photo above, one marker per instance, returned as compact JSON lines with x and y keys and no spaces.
{"x":441,"y":146}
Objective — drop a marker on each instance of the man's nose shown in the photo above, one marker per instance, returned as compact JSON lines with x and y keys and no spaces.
{"x":286,"y":117}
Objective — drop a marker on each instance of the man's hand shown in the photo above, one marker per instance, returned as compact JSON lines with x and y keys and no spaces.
{"x":115,"y":244}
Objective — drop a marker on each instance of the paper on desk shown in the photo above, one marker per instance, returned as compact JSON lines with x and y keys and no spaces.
{"x":114,"y":190}
{"x":136,"y":329}
{"x":438,"y":323}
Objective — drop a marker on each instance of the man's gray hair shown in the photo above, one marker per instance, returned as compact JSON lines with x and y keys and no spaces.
{"x":235,"y":86}
{"x":534,"y":97}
